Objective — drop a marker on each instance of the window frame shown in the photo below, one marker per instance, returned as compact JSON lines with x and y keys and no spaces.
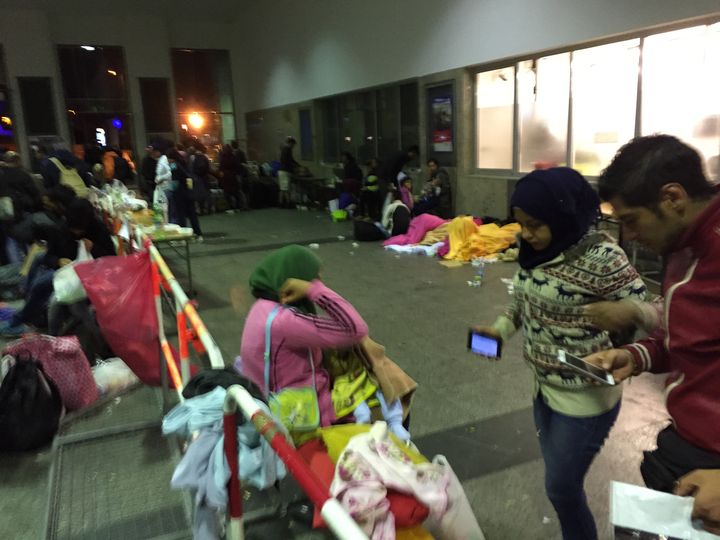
{"x":473,"y":71}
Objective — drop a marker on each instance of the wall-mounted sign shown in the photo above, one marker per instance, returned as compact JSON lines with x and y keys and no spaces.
{"x":442,"y":124}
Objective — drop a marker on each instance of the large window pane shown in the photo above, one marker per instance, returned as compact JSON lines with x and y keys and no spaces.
{"x":203,"y":89}
{"x":306,"y":134}
{"x":157,"y":114}
{"x":543,"y":101}
{"x":680,"y":88}
{"x":357,"y":125}
{"x":94,"y":78}
{"x":38,"y":105}
{"x":494,"y":98}
{"x":330,"y":130}
{"x":409,"y":116}
{"x":388,"y":118}
{"x":604,"y":101}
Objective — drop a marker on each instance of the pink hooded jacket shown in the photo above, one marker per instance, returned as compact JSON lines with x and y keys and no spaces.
{"x":294,"y":334}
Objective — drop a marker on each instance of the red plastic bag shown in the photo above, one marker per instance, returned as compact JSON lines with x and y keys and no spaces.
{"x":65,"y":364}
{"x":120,"y":289}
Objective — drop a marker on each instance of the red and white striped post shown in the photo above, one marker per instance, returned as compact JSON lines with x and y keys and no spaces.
{"x":336,"y":517}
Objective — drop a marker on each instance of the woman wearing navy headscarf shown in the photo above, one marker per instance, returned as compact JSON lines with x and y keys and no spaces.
{"x":565,"y":264}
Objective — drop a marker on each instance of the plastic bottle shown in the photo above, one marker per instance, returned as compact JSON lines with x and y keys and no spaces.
{"x":158,"y":221}
{"x":479,"y":272}
{"x":158,"y":215}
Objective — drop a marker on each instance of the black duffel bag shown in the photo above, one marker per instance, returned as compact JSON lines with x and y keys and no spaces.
{"x":30,"y":407}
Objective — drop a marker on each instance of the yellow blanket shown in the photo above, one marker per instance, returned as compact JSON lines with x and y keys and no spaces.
{"x":436,"y":235}
{"x":468,"y":240}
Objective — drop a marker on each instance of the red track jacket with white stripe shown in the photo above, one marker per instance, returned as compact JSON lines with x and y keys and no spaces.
{"x":688,"y":343}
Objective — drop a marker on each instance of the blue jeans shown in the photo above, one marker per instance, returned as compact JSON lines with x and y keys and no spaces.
{"x":39,"y":289}
{"x":568,"y":445}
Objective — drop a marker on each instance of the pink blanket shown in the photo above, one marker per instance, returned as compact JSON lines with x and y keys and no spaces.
{"x":419,"y":227}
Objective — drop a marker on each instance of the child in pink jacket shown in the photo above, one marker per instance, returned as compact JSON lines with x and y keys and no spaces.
{"x":290,"y":276}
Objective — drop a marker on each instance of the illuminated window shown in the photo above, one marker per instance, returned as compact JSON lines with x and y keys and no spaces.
{"x":494,"y":99}
{"x":204,"y":95}
{"x":604,"y":101}
{"x":95,"y":84}
{"x":357,"y":117}
{"x":680,"y":88}
{"x":543,"y":98}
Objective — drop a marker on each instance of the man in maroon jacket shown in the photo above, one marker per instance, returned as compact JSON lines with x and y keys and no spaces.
{"x":661,"y":196}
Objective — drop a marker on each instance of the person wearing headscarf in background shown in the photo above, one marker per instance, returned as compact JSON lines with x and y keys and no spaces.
{"x":290,"y":276}
{"x":565,"y":264}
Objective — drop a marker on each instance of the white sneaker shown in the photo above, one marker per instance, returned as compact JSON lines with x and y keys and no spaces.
{"x":229,"y":211}
{"x":199,"y":239}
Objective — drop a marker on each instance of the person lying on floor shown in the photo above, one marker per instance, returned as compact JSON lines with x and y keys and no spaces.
{"x":70,"y":219}
{"x":289,"y":279}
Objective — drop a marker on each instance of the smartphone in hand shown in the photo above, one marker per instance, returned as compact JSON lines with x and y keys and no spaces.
{"x":589,"y":371}
{"x":484,"y":345}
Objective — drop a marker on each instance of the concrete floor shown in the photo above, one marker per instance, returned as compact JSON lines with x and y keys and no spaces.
{"x":476,"y":412}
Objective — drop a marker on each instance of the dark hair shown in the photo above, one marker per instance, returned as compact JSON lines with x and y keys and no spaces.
{"x":234,"y":144}
{"x":415,"y":149}
{"x":644,"y":165}
{"x":62,"y":195}
{"x":348,"y":156}
{"x":80,"y":215}
{"x":174,"y":155}
{"x":434,"y":161}
{"x":291,"y":140}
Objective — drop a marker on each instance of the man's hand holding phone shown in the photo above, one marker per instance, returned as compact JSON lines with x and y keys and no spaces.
{"x":619,"y":362}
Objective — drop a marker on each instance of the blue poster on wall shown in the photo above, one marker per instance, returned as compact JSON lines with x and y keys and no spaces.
{"x":441,"y":124}
{"x":6,"y":129}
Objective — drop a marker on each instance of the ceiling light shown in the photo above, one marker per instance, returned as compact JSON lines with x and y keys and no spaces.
{"x":87,"y":47}
{"x":112,"y":72}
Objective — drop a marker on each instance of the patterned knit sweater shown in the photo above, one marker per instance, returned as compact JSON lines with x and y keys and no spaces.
{"x":549,"y":300}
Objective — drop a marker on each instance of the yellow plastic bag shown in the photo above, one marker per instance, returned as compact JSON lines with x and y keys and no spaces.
{"x":336,"y":438}
{"x":416,"y":533}
{"x":296,"y":408}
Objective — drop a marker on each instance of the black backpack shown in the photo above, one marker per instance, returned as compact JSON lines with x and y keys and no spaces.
{"x":30,"y":407}
{"x":367,"y":231}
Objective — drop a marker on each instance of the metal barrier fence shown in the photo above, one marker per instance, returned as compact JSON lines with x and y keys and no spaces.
{"x":193,"y":332}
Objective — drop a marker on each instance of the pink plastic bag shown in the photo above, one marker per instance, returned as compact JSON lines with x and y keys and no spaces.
{"x":64,"y":363}
{"x":120,"y":289}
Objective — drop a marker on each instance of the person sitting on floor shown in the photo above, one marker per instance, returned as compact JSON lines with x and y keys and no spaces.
{"x":436,"y":198}
{"x":69,"y":220}
{"x":289,"y":278}
{"x":370,"y":200}
{"x":405,"y":190}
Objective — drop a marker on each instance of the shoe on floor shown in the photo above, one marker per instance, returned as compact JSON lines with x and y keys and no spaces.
{"x":6,"y":330}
